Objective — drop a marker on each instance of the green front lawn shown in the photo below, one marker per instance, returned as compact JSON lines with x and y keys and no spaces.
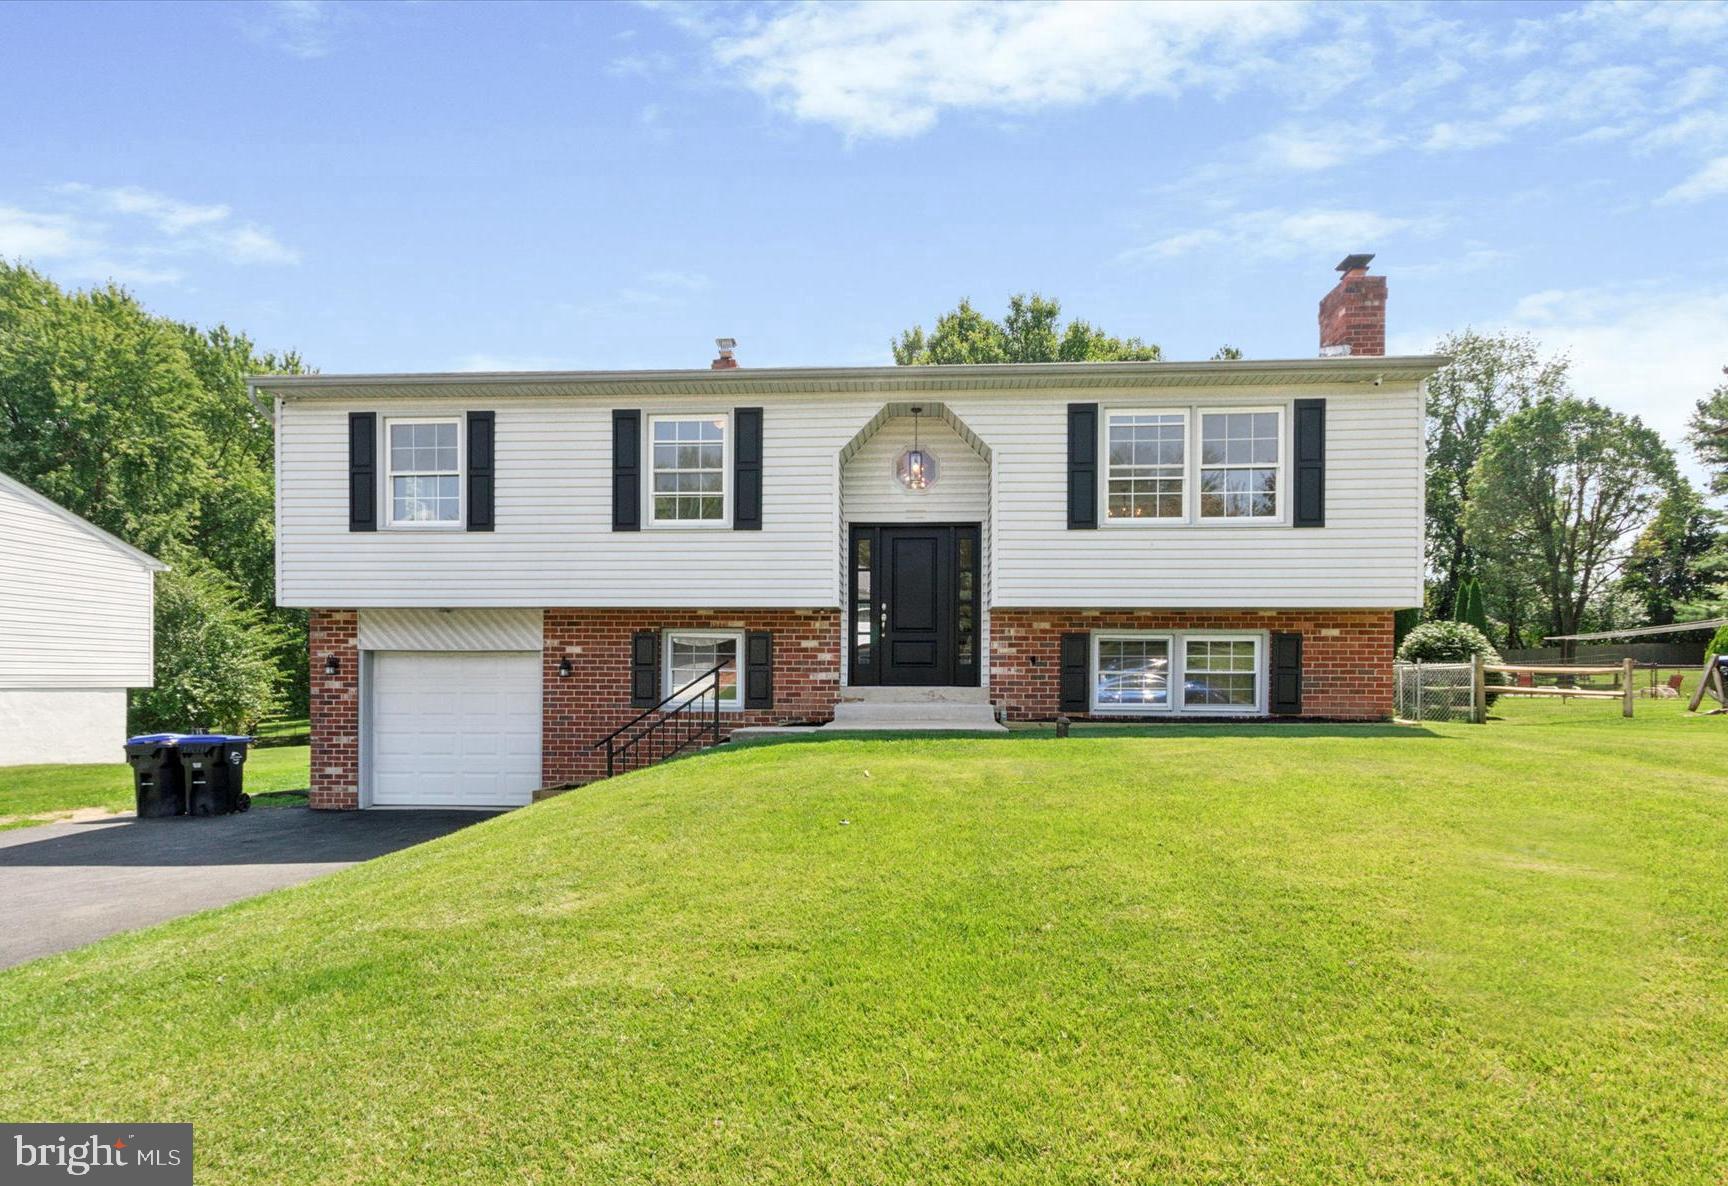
{"x":1212,"y":954}
{"x":39,"y":794}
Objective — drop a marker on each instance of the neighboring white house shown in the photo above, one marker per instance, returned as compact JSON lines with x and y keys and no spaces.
{"x":501,"y":569}
{"x":77,"y":611}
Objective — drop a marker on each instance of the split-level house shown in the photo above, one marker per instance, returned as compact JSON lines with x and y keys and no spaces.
{"x":502,"y":569}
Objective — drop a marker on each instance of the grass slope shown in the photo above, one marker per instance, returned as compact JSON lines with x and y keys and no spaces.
{"x":1209,"y":954}
{"x":35,"y":794}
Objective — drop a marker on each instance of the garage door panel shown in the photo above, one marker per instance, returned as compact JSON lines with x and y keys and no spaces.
{"x":455,"y":729}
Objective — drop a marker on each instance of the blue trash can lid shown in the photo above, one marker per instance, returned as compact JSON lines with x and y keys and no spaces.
{"x":208,"y":738}
{"x":156,"y":739}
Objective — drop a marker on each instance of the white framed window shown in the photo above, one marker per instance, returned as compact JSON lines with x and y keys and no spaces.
{"x":1221,"y":672}
{"x":1146,"y":466}
{"x":423,"y":472}
{"x":1241,"y":464}
{"x":1136,"y":672}
{"x":1131,"y":672}
{"x":686,"y":656}
{"x":689,"y":457}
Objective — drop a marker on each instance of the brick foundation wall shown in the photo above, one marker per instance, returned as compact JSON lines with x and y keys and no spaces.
{"x":1346,"y":654}
{"x":595,"y":698}
{"x":335,"y":709}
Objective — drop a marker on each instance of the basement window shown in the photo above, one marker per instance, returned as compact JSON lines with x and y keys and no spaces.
{"x":692,"y":654}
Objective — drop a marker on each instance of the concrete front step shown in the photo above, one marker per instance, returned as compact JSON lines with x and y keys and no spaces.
{"x":917,"y":696}
{"x":914,"y":715}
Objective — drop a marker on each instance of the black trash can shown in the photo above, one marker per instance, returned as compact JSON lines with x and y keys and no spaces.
{"x":158,"y":783}
{"x":214,"y":766}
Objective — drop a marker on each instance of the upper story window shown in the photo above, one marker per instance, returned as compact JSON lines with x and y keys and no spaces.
{"x":687,"y":470}
{"x":1188,"y":465}
{"x":1240,"y":461}
{"x":1148,"y":467}
{"x":424,"y":463}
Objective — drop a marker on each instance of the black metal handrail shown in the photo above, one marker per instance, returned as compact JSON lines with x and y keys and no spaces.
{"x":671,"y":732}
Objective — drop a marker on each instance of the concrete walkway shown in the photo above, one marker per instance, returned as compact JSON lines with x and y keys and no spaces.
{"x":65,"y":885}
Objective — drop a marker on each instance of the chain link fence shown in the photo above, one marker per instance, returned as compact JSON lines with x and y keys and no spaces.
{"x":1435,"y":691}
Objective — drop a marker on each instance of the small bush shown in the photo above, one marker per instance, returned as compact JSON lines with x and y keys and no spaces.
{"x":1446,"y":642}
{"x":215,"y":665}
{"x":1719,"y":644}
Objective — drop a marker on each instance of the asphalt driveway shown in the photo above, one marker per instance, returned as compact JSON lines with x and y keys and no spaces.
{"x":65,"y":885}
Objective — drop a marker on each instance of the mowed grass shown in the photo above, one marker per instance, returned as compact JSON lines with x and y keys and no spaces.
{"x":39,"y":794}
{"x":1203,"y":954}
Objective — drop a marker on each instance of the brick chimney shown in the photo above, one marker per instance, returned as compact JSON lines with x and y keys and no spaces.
{"x":1353,"y":314}
{"x":725,"y":362}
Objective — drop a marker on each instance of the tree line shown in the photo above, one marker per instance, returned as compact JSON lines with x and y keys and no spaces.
{"x":143,"y":425}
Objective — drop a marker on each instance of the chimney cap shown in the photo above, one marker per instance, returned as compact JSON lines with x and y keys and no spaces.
{"x":1354,"y":262}
{"x":732,"y":343}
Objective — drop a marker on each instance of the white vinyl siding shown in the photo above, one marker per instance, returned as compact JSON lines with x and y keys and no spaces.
{"x":872,"y":493}
{"x":554,"y":546}
{"x":76,"y":611}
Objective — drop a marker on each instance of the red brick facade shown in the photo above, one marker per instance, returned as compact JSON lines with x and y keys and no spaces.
{"x":594,"y":698}
{"x":1346,"y":654}
{"x":335,"y":709}
{"x":1347,"y":672}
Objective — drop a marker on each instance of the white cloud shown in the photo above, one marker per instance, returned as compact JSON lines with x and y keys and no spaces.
{"x":132,"y":235}
{"x":299,"y":28}
{"x":663,"y":286}
{"x":25,"y":234}
{"x":1278,"y":234}
{"x":1709,"y":182}
{"x":1649,"y":351}
{"x":890,"y":69}
{"x":1291,"y":148}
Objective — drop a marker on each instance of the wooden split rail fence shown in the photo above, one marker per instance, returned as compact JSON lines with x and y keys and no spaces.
{"x":1625,"y":693}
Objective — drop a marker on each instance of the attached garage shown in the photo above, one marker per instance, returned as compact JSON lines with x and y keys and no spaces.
{"x":449,"y":724}
{"x":455,"y":730}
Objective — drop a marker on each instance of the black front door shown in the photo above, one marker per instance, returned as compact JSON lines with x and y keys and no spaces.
{"x":915,"y":606}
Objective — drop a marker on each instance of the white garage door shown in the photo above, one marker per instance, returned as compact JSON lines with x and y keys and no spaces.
{"x":455,"y":730}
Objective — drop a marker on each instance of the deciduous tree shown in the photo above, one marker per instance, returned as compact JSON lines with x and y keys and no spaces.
{"x":1562,"y":489}
{"x":1030,"y":332}
{"x":1490,"y":377}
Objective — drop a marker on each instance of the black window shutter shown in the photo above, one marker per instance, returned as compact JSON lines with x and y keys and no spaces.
{"x":362,"y":471}
{"x":747,"y":469}
{"x":1082,"y":465}
{"x":480,"y":434}
{"x":1310,"y":463}
{"x":1287,"y":674}
{"x":627,"y":470}
{"x":645,"y":669}
{"x":1076,"y":683}
{"x":758,"y":669}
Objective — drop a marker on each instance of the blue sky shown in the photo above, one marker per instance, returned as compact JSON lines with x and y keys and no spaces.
{"x":440,"y":186}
